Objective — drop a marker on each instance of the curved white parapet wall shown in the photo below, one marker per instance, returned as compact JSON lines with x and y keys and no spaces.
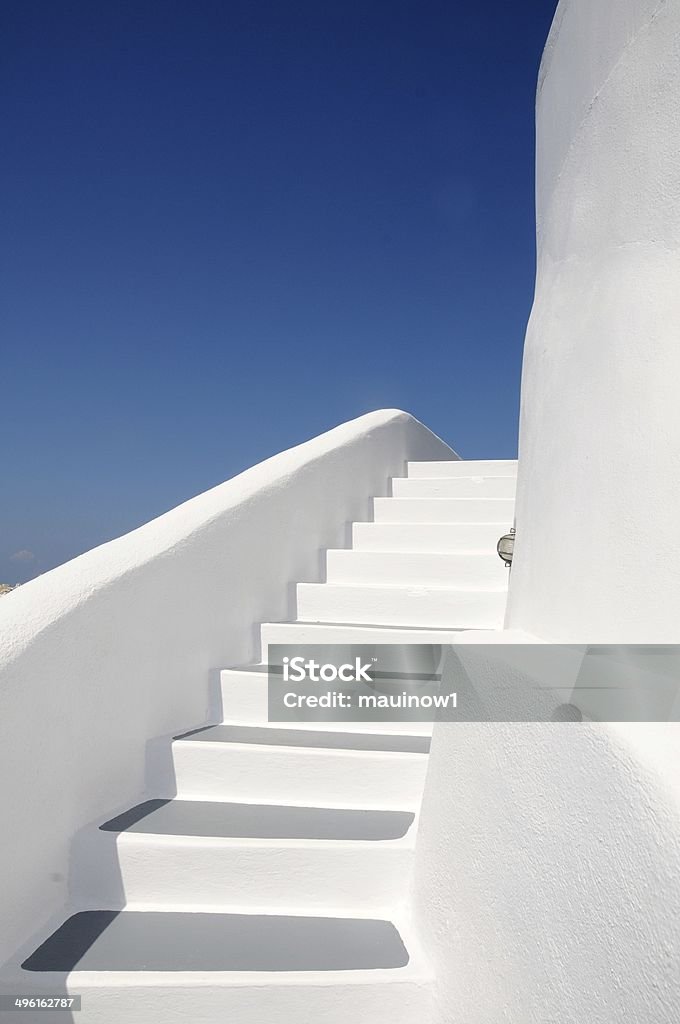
{"x":598,"y":547}
{"x":125,"y":643}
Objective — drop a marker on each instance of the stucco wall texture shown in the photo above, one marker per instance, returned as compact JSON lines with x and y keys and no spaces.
{"x":546,"y":879}
{"x":598,"y":548}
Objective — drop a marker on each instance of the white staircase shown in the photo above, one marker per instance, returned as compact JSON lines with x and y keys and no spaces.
{"x":266,"y":877}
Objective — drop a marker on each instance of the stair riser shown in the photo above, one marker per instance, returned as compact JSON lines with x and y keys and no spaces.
{"x":245,"y":701}
{"x":438,"y":538}
{"x":444,"y":510}
{"x":317,"y":878}
{"x":310,"y":776}
{"x":442,"y":570}
{"x":493,"y":467}
{"x":318,"y":602}
{"x":456,"y":487}
{"x":340,"y":633}
{"x":376,"y":996}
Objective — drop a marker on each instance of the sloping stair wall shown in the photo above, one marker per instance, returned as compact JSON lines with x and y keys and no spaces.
{"x":266,"y":875}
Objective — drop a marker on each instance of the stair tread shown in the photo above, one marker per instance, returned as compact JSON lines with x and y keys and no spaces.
{"x":464,"y":499}
{"x":427,"y":671}
{"x":417,"y":557}
{"x":463,"y":462}
{"x":206,"y":818}
{"x":436,"y":587}
{"x":443,"y":630}
{"x":277,"y":737}
{"x":472,"y":475}
{"x":127,"y":940}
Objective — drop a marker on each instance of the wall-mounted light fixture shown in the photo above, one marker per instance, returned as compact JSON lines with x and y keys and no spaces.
{"x":506,"y":547}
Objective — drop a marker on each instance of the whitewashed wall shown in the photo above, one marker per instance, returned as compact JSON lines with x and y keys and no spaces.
{"x":121,"y":645}
{"x":598,"y":544}
{"x":547,"y":880}
{"x":546,"y":886}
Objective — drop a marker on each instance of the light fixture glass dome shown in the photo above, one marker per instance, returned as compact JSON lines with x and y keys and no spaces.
{"x":506,"y":547}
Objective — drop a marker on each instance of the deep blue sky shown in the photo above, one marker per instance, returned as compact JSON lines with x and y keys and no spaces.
{"x":232,"y":224}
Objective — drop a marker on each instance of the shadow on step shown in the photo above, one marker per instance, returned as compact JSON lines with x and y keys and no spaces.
{"x":204,"y":818}
{"x":280,"y":737}
{"x":101,"y":940}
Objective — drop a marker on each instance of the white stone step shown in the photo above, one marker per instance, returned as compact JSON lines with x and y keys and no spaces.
{"x":466,"y":467}
{"x":347,"y":633}
{"x":207,"y":767}
{"x":374,"y":568}
{"x":401,"y":606}
{"x":444,"y":510}
{"x":254,"y":856}
{"x":116,"y":997}
{"x":118,"y":977}
{"x":245,"y":694}
{"x":455,"y":487}
{"x":434,"y":537}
